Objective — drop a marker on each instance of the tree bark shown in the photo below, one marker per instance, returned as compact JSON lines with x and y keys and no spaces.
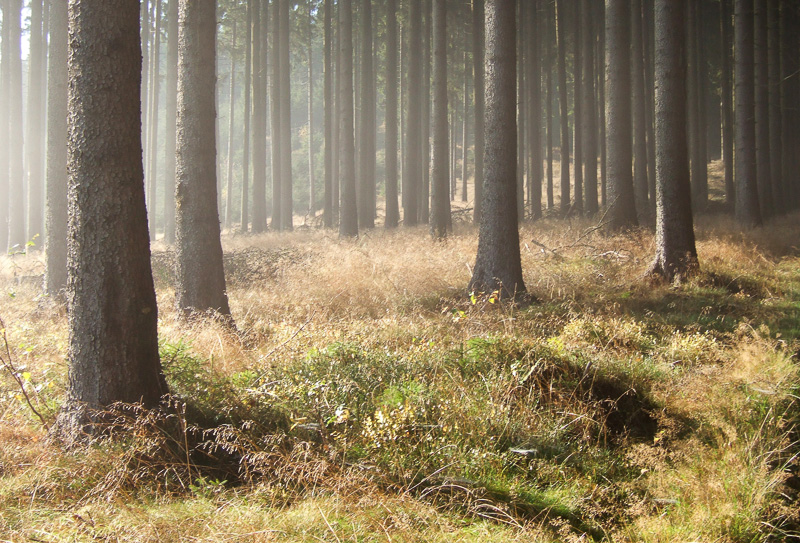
{"x":35,"y":126}
{"x":441,"y":163}
{"x":498,"y":266}
{"x":534,"y":68}
{"x":563,"y":104}
{"x":640,"y":182}
{"x":774,"y":100}
{"x":286,"y":201}
{"x":113,"y":341}
{"x":367,"y":132}
{"x":231,"y":135}
{"x":329,"y":106}
{"x":763,"y":164}
{"x":16,"y":193}
{"x":589,"y":110}
{"x":392,"y":206}
{"x":748,"y":212}
{"x":478,"y":52}
{"x":155,"y":91}
{"x":55,"y":279}
{"x":312,"y":195}
{"x":348,"y":220}
{"x":676,"y":254}
{"x":200,"y":284}
{"x":621,"y":206}
{"x":726,"y":90}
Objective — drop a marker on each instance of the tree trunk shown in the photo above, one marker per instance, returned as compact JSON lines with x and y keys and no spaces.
{"x":498,"y":266}
{"x":424,"y":143}
{"x":441,"y":162}
{"x":392,"y":208}
{"x":727,"y":102}
{"x":747,"y":206}
{"x":621,"y":206}
{"x":327,"y":218}
{"x":170,"y":112}
{"x":200,"y":284}
{"x":478,"y":52}
{"x":259,"y":118}
{"x":16,"y":192}
{"x":580,"y":119}
{"x":348,"y":220}
{"x":366,"y":174}
{"x":763,"y":164}
{"x":55,"y":279}
{"x":412,"y":170}
{"x":675,"y":245}
{"x":312,"y":196}
{"x":34,"y":124}
{"x":276,"y":88}
{"x":563,"y":104}
{"x":534,"y":68}
{"x":285,"y":108}
{"x":155,"y":90}
{"x":231,"y":136}
{"x":113,"y":341}
{"x":640,"y":182}
{"x":589,"y":110}
{"x":774,"y":100}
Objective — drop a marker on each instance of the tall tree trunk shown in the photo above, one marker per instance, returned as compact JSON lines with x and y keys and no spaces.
{"x":276,"y":89}
{"x":231,"y":135}
{"x":465,"y":121}
{"x":392,"y":207}
{"x":748,"y":212}
{"x":578,"y":110}
{"x":774,"y":101}
{"x":113,"y":341}
{"x":621,"y":206}
{"x":425,"y":123}
{"x":33,"y":139}
{"x":16,"y":195}
{"x":366,"y":174}
{"x":640,"y":182}
{"x":312,"y":195}
{"x":348,"y":220}
{"x":726,"y":89}
{"x":480,"y":100}
{"x":563,"y":104}
{"x":286,"y":201}
{"x":200,"y":279}
{"x":171,"y":114}
{"x":441,"y":162}
{"x":4,"y":128}
{"x":549,"y":123}
{"x":521,"y":112}
{"x":327,"y":218}
{"x":259,"y":118}
{"x":676,"y":254}
{"x":601,"y":104}
{"x":589,"y":109}
{"x":534,"y":67}
{"x":55,"y":278}
{"x":498,"y":266}
{"x":412,"y":170}
{"x":763,"y":164}
{"x":155,"y":91}
{"x":648,"y":39}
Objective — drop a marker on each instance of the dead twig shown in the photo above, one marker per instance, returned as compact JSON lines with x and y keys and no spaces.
{"x":8,"y":365}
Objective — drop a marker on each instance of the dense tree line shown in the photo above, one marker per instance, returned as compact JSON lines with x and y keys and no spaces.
{"x":252,"y":115}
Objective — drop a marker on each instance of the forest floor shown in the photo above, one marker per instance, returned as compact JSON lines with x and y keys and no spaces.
{"x":367,"y":396}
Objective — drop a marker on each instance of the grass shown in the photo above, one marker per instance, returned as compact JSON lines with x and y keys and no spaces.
{"x":367,"y":397}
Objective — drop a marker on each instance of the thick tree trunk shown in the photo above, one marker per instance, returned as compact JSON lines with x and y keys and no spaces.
{"x":367,"y":132}
{"x":498,"y":266}
{"x":480,"y":100}
{"x":392,"y":207}
{"x":441,"y":162}
{"x":200,"y":284}
{"x":348,"y":221}
{"x":675,"y":245}
{"x":55,"y":278}
{"x":621,"y":206}
{"x":747,"y":206}
{"x":113,"y":341}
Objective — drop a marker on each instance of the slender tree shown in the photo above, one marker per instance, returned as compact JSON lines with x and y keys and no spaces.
{"x":16,"y":192}
{"x":113,"y":341}
{"x":151,"y":175}
{"x":312,"y":196}
{"x":286,"y":201}
{"x":589,"y":110}
{"x":348,"y":221}
{"x":639,"y":108}
{"x":563,"y":103}
{"x":764,"y":165}
{"x":231,"y":128}
{"x":412,"y":170}
{"x":747,"y":205}
{"x":392,"y":207}
{"x":55,"y":278}
{"x":328,"y":107}
{"x":259,"y":118}
{"x":276,"y":89}
{"x":676,"y":254}
{"x":171,"y":114}
{"x":478,"y":36}
{"x":498,"y":265}
{"x":534,"y":69}
{"x":200,"y":279}
{"x":579,"y":115}
{"x":726,"y":92}
{"x":33,"y":138}
{"x":441,"y":162}
{"x":622,"y":209}
{"x":774,"y":103}
{"x":4,"y":128}
{"x":366,"y":170}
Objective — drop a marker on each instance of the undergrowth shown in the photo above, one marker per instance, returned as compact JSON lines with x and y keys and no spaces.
{"x":367,"y":396}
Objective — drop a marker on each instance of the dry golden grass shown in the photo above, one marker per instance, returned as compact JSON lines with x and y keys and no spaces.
{"x":706,"y":351}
